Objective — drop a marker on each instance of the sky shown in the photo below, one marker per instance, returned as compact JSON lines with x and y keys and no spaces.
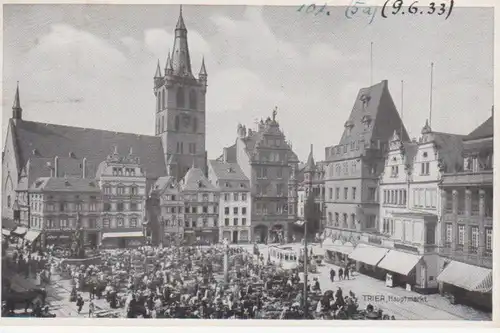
{"x":93,"y":65}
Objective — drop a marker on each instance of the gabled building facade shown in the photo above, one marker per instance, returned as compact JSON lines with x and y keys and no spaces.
{"x":267,"y":160}
{"x":235,"y":207}
{"x":353,"y":167}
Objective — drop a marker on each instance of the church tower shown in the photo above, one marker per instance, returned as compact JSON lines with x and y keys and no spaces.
{"x":180,"y":107}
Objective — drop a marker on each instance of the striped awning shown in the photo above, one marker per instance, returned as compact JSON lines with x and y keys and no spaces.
{"x":122,"y":234}
{"x":370,"y":255}
{"x":469,"y":277}
{"x":20,"y":231}
{"x":399,"y":262}
{"x":31,"y":235}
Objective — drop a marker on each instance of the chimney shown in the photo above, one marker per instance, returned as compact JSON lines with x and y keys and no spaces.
{"x":56,"y":166}
{"x":84,"y":168}
{"x":224,"y":157}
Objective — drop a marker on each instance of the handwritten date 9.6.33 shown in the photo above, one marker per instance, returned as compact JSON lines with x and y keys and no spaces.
{"x":398,"y":7}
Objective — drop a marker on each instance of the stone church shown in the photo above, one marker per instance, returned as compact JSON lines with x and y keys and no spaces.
{"x":34,"y":149}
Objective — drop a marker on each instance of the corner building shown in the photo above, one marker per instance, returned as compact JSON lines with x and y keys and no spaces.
{"x":353,"y":166}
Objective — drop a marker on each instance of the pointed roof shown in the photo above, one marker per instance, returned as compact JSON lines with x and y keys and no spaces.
{"x":484,"y":130}
{"x":180,"y":21}
{"x":426,"y":129}
{"x":310,"y":165}
{"x":195,"y":180}
{"x":181,"y":61}
{"x":203,"y":70}
{"x":168,"y":64}
{"x":158,"y":70}
{"x":17,"y":102}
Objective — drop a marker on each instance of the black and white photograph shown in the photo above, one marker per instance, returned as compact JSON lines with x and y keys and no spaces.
{"x":250,"y":162}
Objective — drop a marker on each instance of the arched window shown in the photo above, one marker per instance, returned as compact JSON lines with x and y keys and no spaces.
{"x":192,"y":100}
{"x":176,"y":123}
{"x":163,"y":101}
{"x":195,"y":124}
{"x":162,"y":124}
{"x":180,"y":98}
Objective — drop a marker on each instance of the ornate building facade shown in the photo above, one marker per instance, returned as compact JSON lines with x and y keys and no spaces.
{"x":268,"y":161}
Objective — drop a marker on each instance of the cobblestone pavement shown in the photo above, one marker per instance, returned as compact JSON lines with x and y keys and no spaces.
{"x":396,"y":301}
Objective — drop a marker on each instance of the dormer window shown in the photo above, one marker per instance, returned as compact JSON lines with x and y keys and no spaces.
{"x":227,"y":184}
{"x":365,"y":99}
{"x":200,"y":184}
{"x":424,"y":154}
{"x":230,"y":170}
{"x":348,"y":127}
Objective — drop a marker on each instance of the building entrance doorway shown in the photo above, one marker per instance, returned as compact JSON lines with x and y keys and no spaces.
{"x":235,"y":236}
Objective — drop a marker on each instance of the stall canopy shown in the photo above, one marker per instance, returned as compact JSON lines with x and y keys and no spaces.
{"x":6,"y":232}
{"x":370,"y":255}
{"x":31,"y":235}
{"x":399,"y":262}
{"x":338,"y":246}
{"x":122,"y":234}
{"x":20,"y":231}
{"x":472,"y":278}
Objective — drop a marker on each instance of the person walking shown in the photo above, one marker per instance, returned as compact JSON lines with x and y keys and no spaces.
{"x":332,"y":275}
{"x":346,"y":273}
{"x":341,"y":273}
{"x":79,"y":303}
{"x":91,"y":308}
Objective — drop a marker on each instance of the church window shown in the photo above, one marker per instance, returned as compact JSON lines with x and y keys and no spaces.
{"x":176,"y":123}
{"x":163,"y":97}
{"x":158,"y":107}
{"x":192,"y":100}
{"x":180,"y":98}
{"x":8,"y":201}
{"x":195,"y":124}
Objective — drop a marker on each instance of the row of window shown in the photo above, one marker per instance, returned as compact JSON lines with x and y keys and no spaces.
{"x":120,"y":207}
{"x":262,"y":172}
{"x":63,"y":223}
{"x":473,"y":234}
{"x":264,"y":189}
{"x":395,"y":197}
{"x":462,"y":204}
{"x":65,"y":206}
{"x":120,"y":171}
{"x":235,"y":210}
{"x":263,"y":208}
{"x":191,"y":148}
{"x":235,"y":221}
{"x":388,"y":226}
{"x":424,"y":198}
{"x":236,"y":197}
{"x":346,"y":221}
{"x":120,"y":190}
{"x":372,"y":191}
{"x":180,"y":99}
{"x":343,"y":169}
{"x":203,"y":210}
{"x":120,"y":223}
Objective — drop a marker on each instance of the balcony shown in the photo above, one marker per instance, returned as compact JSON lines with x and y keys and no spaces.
{"x":469,"y":178}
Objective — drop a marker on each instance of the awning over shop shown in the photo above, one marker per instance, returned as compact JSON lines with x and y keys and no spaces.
{"x":399,"y":262}
{"x":370,"y":255}
{"x":469,"y":277}
{"x":20,"y":231}
{"x":31,"y":235}
{"x":6,"y":232}
{"x":122,"y":234}
{"x":345,"y":248}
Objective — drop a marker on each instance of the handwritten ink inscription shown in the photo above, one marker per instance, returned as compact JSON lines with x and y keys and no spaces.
{"x":358,"y":8}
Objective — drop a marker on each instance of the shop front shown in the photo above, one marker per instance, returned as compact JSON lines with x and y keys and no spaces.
{"x":400,"y":269}
{"x":367,"y":258}
{"x":337,"y":252}
{"x":60,"y":239}
{"x":206,"y":236}
{"x":122,"y":240}
{"x":467,"y":284}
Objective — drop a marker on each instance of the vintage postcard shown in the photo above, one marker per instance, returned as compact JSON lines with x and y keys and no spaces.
{"x":309,"y":161}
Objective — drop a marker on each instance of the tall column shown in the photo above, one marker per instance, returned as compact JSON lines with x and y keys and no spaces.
{"x":226,"y":262}
{"x":468,"y":202}
{"x":482,"y":202}
{"x":482,"y":233}
{"x":455,"y":201}
{"x":442,"y":222}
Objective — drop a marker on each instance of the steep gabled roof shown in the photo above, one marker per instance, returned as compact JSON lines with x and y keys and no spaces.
{"x":49,"y":140}
{"x":48,"y":184}
{"x":227,"y":171}
{"x":195,"y":180}
{"x":449,"y":148}
{"x":163,"y":183}
{"x":485,"y":130}
{"x":373,"y":105}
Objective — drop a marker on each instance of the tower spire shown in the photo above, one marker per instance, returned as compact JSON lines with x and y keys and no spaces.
{"x":181,"y":62}
{"x":158,"y":70}
{"x":203,"y":70}
{"x":17,"y":111}
{"x":310,"y":161}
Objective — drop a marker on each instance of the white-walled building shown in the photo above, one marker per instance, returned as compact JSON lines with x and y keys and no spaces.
{"x":235,"y":200}
{"x":410,"y":206}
